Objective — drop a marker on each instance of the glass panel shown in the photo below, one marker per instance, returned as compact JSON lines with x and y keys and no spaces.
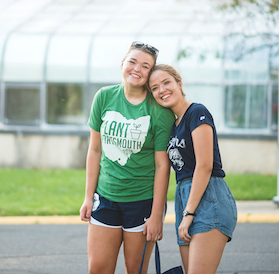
{"x":235,"y":74}
{"x":274,"y":76}
{"x":167,"y":46}
{"x":24,"y":58}
{"x":64,"y":104}
{"x":15,"y":13}
{"x":164,"y":26}
{"x":22,"y":106}
{"x":209,"y":95}
{"x":235,"y":98}
{"x":200,"y":58}
{"x":201,"y":51}
{"x":274,"y":108}
{"x":2,"y":40}
{"x":246,"y":106}
{"x":246,"y":73}
{"x":106,"y":57}
{"x":246,"y":60}
{"x":84,"y":27}
{"x":67,"y":59}
{"x":258,"y":107}
{"x":88,"y":98}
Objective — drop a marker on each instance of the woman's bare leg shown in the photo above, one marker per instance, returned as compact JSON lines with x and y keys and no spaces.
{"x":184,"y":252}
{"x":103,"y":247}
{"x":205,"y":252}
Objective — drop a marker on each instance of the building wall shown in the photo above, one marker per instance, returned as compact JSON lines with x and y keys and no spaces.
{"x":249,"y":156}
{"x":40,"y":151}
{"x":54,"y":151}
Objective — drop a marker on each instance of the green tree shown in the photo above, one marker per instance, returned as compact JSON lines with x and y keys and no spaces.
{"x":251,"y":25}
{"x":259,"y":21}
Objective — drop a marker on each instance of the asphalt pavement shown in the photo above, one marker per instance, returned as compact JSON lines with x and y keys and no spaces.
{"x":50,"y":245}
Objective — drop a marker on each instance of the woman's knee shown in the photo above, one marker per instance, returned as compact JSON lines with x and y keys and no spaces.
{"x":133,"y":251}
{"x":97,"y":266}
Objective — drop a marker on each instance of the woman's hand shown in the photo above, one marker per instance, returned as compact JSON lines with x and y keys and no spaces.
{"x":153,"y":229}
{"x":183,"y":229}
{"x":86,"y":209}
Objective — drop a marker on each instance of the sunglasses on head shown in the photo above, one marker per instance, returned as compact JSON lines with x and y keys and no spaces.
{"x":139,"y":45}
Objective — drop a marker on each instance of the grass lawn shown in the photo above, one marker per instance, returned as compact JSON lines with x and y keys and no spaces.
{"x":41,"y":192}
{"x":61,"y":192}
{"x":245,"y":187}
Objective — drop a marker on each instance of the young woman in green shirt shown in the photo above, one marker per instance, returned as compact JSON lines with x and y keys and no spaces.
{"x":127,"y":169}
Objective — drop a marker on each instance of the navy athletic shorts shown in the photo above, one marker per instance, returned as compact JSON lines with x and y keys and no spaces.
{"x":130,"y":216}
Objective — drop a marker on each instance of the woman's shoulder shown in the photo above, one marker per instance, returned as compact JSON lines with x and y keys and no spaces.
{"x":105,"y":94}
{"x":197,"y":108}
{"x":110,"y":89}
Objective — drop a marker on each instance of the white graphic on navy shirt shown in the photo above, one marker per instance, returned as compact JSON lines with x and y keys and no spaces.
{"x":174,"y":154}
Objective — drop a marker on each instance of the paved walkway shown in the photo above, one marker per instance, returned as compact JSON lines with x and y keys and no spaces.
{"x":62,"y":249}
{"x":248,"y":212}
{"x":54,"y":247}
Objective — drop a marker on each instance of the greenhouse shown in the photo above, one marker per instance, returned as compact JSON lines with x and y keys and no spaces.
{"x":55,"y":55}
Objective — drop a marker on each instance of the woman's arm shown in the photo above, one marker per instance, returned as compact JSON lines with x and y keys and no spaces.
{"x":154,"y":225}
{"x":203,"y":147}
{"x":92,"y":174}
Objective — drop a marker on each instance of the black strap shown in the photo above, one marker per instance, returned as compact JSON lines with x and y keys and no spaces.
{"x":157,"y":259}
{"x":142,"y":258}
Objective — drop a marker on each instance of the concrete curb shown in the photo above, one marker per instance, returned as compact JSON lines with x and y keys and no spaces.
{"x":248,"y":212}
{"x":22,"y":220}
{"x":258,"y":218}
{"x":170,"y":218}
{"x":242,"y":218}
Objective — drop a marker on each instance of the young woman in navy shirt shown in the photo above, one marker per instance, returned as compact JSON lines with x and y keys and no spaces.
{"x":206,"y":213}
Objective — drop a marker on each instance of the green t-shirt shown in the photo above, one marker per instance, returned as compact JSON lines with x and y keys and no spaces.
{"x":130,"y":135}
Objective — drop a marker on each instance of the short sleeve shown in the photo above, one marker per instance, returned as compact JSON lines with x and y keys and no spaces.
{"x":95,"y":117}
{"x":163,"y":127}
{"x":200,"y":115}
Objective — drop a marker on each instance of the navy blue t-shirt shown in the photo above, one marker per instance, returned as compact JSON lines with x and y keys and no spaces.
{"x":180,"y":146}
